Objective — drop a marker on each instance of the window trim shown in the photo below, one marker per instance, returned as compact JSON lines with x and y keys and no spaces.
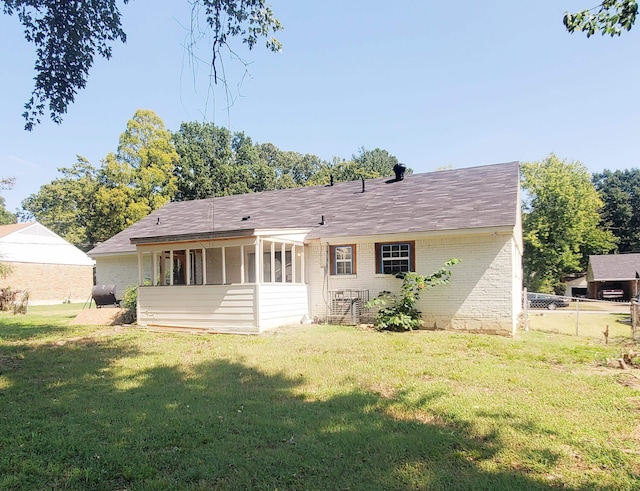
{"x":412,"y":255}
{"x":334,"y":261}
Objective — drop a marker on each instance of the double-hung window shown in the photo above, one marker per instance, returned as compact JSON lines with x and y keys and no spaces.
{"x":343,"y":259}
{"x":395,"y":257}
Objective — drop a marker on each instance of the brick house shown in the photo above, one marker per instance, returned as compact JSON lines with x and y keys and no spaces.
{"x":246,"y":263}
{"x":51,"y":269}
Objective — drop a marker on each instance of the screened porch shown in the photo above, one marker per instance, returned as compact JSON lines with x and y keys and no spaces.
{"x":237,"y":285}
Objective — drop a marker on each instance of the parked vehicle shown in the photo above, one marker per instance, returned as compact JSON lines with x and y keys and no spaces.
{"x":545,"y":301}
{"x":611,"y":294}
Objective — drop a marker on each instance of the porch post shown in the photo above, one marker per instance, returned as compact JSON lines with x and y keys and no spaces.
{"x":162,"y":269}
{"x":204,"y":266}
{"x":187,"y":261}
{"x":242,"y":281}
{"x":302,"y":279}
{"x":224,"y":266}
{"x":171,"y":267}
{"x":283,"y":263}
{"x":258,"y":268}
{"x":272,"y":251}
{"x":154,"y":268}
{"x":258,"y":260}
{"x":139,"y":268}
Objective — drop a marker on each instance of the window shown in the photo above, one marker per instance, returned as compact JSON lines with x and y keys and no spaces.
{"x":397,"y":257}
{"x":343,"y":259}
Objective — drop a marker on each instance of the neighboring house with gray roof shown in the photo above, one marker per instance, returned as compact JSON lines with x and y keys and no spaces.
{"x":246,"y":263}
{"x":611,"y":272}
{"x":51,"y":269}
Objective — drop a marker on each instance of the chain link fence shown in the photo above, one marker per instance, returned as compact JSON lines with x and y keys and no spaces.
{"x":604,"y":319}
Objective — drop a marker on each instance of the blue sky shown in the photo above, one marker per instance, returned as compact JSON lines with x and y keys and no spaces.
{"x":434,"y":83}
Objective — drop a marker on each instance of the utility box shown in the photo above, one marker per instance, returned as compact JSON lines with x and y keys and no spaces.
{"x":348,"y":307}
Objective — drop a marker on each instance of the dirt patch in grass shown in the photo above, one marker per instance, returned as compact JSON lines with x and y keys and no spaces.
{"x":101,"y":317}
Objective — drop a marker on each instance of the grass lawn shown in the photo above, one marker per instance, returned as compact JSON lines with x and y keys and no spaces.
{"x":311,"y":408}
{"x":588,"y":324}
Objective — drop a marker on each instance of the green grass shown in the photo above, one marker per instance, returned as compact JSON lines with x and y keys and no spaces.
{"x":587,"y":324}
{"x":311,"y":407}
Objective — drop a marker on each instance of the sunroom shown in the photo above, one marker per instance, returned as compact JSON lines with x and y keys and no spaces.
{"x":239,"y":282}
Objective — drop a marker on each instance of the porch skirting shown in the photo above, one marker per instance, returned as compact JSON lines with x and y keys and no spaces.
{"x":236,"y":309}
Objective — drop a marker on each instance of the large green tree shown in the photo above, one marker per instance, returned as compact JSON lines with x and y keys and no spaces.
{"x":68,"y":35}
{"x":561,"y":221}
{"x":67,"y":205}
{"x":367,"y":164}
{"x":620,"y":192}
{"x":203,"y":149}
{"x":138,"y":178}
{"x":88,"y":205}
{"x":214,"y":162}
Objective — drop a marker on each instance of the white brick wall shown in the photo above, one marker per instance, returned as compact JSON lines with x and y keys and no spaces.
{"x":121,"y":271}
{"x":484,"y":293}
{"x":480,"y":296}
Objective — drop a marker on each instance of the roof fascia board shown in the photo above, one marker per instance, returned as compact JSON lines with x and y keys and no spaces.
{"x":223,"y":234}
{"x":167,"y":239}
{"x":503,"y":231}
{"x":631,"y":278}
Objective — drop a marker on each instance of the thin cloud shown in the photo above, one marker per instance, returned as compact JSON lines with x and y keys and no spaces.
{"x":16,"y":163}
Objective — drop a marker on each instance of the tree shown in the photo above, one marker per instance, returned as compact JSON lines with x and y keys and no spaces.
{"x":561,"y":221}
{"x":88,"y":205}
{"x":67,"y":205}
{"x":139,"y":178}
{"x":375,"y":163}
{"x":610,"y":17}
{"x":620,"y":192}
{"x":201,"y":149}
{"x":292,"y":169}
{"x":69,"y":35}
{"x":6,"y":216}
{"x":367,"y":164}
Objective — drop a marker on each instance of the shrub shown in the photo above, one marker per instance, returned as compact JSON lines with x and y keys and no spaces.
{"x":399,"y":312}
{"x":130,"y":300}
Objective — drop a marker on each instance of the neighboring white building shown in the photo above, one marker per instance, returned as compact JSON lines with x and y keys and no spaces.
{"x":576,"y":287}
{"x":246,"y":263}
{"x":51,"y":269}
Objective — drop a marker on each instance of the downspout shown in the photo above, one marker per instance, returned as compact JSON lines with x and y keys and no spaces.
{"x":326,"y":285}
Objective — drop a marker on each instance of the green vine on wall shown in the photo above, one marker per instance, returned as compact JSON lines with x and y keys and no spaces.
{"x":399,"y":312}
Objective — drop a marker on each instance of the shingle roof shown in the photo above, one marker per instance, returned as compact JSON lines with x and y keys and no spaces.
{"x":614,"y":267}
{"x":469,"y":198}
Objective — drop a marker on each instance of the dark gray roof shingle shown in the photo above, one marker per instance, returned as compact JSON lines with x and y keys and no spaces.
{"x":469,"y":198}
{"x":614,"y":267}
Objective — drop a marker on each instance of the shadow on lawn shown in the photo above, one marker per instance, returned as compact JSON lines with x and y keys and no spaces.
{"x":72,"y":421}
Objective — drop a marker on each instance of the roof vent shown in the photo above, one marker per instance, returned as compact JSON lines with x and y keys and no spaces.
{"x":399,"y":169}
{"x":246,"y":217}
{"x":323,"y":221}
